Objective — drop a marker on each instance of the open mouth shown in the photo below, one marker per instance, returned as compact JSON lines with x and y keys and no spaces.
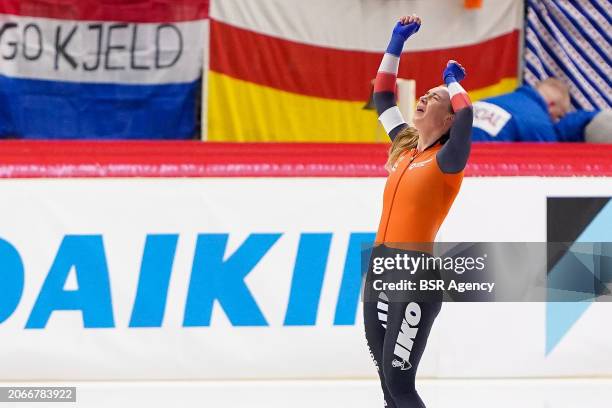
{"x":422,"y":110}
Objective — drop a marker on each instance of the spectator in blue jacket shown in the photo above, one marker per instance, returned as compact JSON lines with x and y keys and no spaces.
{"x":534,"y":114}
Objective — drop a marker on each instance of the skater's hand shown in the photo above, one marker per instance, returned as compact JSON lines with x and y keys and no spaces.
{"x":453,"y":72}
{"x":407,"y":26}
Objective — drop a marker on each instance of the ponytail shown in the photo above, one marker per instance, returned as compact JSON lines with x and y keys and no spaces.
{"x":406,"y":139}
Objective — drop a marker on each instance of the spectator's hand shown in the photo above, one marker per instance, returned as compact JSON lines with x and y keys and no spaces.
{"x":453,"y":71}
{"x":407,"y":26}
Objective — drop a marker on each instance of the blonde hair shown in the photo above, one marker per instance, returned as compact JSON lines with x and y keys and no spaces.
{"x":406,"y":139}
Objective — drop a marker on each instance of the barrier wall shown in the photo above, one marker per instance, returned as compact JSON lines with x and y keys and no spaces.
{"x":158,"y":278}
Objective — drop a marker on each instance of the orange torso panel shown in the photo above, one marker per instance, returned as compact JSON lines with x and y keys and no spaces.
{"x":417,"y":198}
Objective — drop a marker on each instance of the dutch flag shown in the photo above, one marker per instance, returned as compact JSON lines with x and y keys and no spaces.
{"x":101,"y":68}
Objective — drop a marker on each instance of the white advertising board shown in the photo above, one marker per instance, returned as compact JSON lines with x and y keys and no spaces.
{"x":167,"y":279}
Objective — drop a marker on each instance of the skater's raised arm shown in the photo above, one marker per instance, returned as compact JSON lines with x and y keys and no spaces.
{"x":385,"y":83}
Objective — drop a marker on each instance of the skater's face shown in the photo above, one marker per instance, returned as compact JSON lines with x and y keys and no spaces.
{"x":434,"y":113}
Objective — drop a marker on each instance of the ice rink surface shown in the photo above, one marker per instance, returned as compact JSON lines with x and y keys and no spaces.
{"x":473,"y":393}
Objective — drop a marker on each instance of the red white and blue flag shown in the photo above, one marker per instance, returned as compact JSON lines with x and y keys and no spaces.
{"x":126,"y":69}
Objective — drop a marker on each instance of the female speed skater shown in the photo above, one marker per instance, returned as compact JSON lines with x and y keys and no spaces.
{"x":425,"y":165}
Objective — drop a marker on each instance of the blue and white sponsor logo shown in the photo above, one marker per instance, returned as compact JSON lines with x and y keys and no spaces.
{"x":215,"y":277}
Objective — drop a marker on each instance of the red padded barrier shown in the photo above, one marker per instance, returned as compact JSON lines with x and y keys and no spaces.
{"x":30,"y":159}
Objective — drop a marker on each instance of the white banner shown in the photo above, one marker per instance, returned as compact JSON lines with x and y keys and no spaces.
{"x":367,"y":24}
{"x":252,"y":278}
{"x":101,"y":51}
